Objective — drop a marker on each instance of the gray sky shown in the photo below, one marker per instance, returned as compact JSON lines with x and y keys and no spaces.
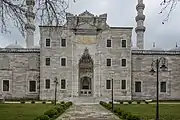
{"x":122,"y":13}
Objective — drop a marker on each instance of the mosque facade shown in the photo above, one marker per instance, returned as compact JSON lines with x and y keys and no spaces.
{"x":86,"y":58}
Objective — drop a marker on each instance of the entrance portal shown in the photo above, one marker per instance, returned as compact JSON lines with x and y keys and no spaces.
{"x":85,"y":74}
{"x":85,"y":86}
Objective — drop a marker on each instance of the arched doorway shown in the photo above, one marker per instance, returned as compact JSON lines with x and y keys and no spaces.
{"x":85,"y":74}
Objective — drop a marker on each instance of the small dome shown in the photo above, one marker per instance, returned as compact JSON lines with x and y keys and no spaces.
{"x":36,"y":46}
{"x":156,"y":49}
{"x":175,"y":49}
{"x":14,"y":46}
{"x":134,"y":48}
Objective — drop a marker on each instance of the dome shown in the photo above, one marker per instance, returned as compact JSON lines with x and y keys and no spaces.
{"x":134,"y":48}
{"x":156,"y":49}
{"x":36,"y":46}
{"x":14,"y":46}
{"x":175,"y":49}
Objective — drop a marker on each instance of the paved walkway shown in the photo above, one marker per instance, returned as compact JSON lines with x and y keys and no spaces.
{"x":87,"y":112}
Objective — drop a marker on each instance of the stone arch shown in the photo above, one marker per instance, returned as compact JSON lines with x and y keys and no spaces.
{"x":86,"y":74}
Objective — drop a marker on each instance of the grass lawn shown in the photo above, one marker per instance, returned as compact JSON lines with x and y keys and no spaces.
{"x":22,"y":111}
{"x":148,"y":111}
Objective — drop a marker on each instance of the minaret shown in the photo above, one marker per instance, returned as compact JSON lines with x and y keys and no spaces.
{"x":140,"y":29}
{"x":30,"y":27}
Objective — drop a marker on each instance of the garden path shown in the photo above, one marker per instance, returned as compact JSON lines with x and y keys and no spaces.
{"x":87,"y":112}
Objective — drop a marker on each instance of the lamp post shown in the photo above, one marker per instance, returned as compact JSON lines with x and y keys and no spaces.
{"x":112,"y":92}
{"x":112,"y":96}
{"x":163,"y":68}
{"x":56,"y":82}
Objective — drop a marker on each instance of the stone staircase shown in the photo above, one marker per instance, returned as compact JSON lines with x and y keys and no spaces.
{"x":86,"y":100}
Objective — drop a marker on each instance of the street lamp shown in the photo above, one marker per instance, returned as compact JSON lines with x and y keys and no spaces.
{"x":112,"y":92}
{"x":56,"y":82}
{"x":152,"y":71}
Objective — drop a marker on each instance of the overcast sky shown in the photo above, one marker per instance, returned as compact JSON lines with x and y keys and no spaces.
{"x":122,"y":13}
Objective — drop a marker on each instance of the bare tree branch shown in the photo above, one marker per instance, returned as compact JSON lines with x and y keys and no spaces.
{"x":170,"y":5}
{"x":47,"y":12}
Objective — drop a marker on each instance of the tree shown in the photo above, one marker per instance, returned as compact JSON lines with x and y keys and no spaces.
{"x":170,"y":5}
{"x":45,"y":12}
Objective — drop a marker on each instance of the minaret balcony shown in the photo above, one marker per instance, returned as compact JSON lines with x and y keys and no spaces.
{"x":30,"y":14}
{"x":30,"y":26}
{"x":30,"y":2}
{"x":140,"y":6}
{"x":140,"y":17}
{"x":140,"y":28}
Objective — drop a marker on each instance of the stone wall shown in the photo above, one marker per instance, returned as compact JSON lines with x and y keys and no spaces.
{"x":19,"y":68}
{"x":85,"y":36}
{"x":141,"y":65}
{"x":116,"y":53}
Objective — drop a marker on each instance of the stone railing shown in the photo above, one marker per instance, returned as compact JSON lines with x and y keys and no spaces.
{"x":19,"y":50}
{"x":155,"y":52}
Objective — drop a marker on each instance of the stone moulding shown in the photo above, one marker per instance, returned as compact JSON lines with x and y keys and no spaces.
{"x":19,"y":50}
{"x":155,"y":52}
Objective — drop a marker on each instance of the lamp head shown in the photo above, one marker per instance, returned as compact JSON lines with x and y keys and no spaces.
{"x":163,"y":67}
{"x":152,"y":71}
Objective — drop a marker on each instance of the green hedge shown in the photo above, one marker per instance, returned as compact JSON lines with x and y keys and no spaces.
{"x":120,"y":113}
{"x":53,"y":113}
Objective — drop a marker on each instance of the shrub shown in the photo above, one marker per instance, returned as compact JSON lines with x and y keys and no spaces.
{"x":33,"y":102}
{"x":51,"y":112}
{"x":102,"y":103}
{"x":44,"y":102}
{"x":59,"y":109}
{"x":62,"y":102}
{"x":130,"y":102}
{"x":132,"y":117}
{"x":52,"y":101}
{"x":63,"y":106}
{"x":138,"y":102}
{"x":119,"y":112}
{"x":22,"y":102}
{"x":108,"y":106}
{"x":125,"y":115}
{"x":121,"y":102}
{"x":146,"y":102}
{"x":42,"y":117}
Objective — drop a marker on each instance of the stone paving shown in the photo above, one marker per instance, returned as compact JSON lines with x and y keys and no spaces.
{"x":87,"y":112}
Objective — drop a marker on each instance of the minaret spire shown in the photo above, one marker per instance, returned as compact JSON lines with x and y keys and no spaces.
{"x":140,"y":29}
{"x":30,"y":27}
{"x":176,"y":44}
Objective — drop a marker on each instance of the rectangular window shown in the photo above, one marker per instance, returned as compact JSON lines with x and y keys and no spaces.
{"x":63,"y":61}
{"x":32,"y":86}
{"x":108,"y":62}
{"x":123,"y":62}
{"x":108,"y":43}
{"x":63,"y":42}
{"x":48,"y":42}
{"x":47,"y":61}
{"x":108,"y":84}
{"x":163,"y":86}
{"x":5,"y":85}
{"x":123,"y":43}
{"x":123,"y":85}
{"x":137,"y":86}
{"x":47,"y":83}
{"x":63,"y":84}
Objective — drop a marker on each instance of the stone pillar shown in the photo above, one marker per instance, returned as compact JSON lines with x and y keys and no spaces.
{"x":140,"y":29}
{"x":29,"y":26}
